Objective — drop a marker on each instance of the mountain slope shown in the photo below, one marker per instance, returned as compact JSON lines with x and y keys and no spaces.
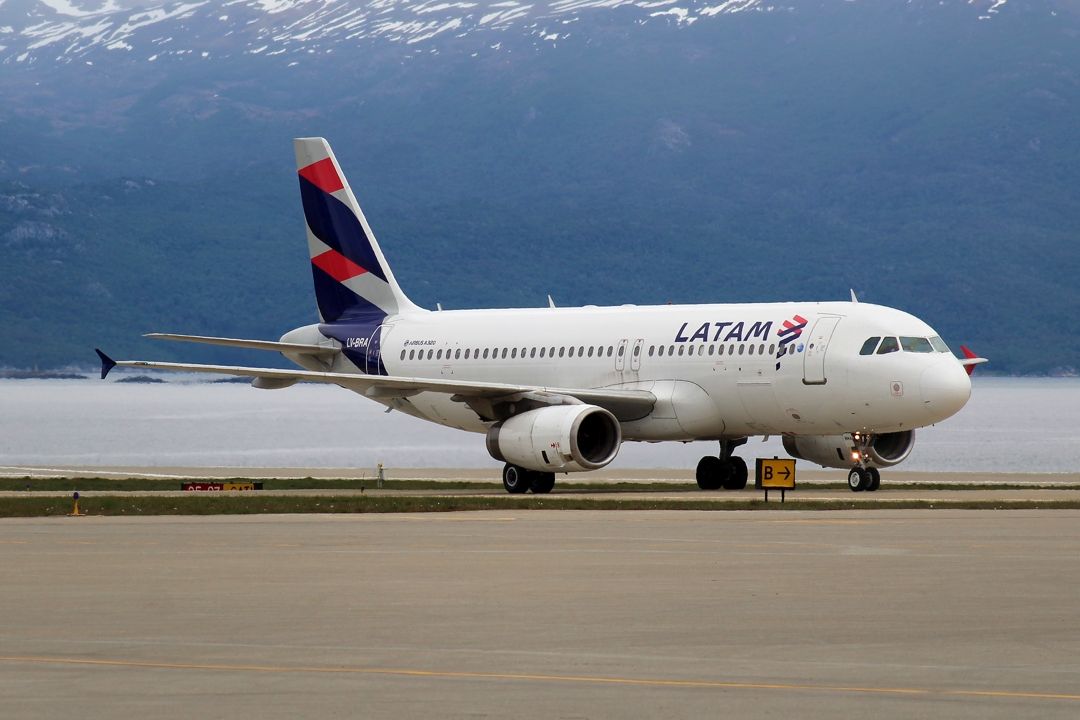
{"x":915,"y":152}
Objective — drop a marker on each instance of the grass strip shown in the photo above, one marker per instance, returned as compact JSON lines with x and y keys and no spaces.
{"x":201,"y":504}
{"x":66,"y":484}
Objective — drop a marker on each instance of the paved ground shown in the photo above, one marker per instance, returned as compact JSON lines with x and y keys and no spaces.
{"x":959,"y":614}
{"x":806,"y":474}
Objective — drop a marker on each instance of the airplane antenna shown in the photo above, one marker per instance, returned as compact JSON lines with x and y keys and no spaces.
{"x":551,"y":303}
{"x":853,"y":298}
{"x":438,"y":306}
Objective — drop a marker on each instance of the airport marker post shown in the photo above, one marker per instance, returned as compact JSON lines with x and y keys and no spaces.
{"x":775,"y":474}
{"x":75,"y":511}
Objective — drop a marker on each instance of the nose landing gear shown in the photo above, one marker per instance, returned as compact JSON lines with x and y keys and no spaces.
{"x":726,"y":471}
{"x":863,"y":476}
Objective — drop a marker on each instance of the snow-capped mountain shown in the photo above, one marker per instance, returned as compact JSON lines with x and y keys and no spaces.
{"x":64,"y":31}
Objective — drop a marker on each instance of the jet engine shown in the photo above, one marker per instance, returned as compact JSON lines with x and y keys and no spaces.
{"x":835,"y":451}
{"x":561,"y":438}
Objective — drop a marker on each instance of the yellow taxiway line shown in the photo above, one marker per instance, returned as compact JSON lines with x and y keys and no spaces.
{"x":535,"y":677}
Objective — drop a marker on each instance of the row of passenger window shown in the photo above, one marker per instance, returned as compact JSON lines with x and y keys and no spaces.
{"x":887,"y":345}
{"x":598,"y":351}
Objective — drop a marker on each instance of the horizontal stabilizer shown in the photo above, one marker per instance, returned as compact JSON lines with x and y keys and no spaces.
{"x":296,"y":348}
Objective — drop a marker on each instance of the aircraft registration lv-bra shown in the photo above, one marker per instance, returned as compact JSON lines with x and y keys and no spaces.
{"x":558,"y":390}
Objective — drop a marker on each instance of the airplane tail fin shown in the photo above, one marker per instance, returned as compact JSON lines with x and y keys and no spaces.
{"x":353,"y":281}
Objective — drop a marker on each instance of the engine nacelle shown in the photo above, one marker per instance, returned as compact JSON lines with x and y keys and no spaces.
{"x":835,"y":451}
{"x":561,"y":438}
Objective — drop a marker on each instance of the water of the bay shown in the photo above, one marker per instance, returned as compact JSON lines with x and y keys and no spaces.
{"x":1009,"y":425}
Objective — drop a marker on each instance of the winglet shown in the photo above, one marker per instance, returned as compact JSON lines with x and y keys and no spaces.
{"x":971,"y":359}
{"x":107,"y":363}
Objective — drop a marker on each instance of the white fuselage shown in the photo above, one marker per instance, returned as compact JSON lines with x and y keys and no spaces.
{"x":716,"y":370}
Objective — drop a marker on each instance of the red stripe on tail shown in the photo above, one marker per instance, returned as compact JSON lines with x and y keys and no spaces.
{"x":337,"y":265}
{"x":322,"y":175}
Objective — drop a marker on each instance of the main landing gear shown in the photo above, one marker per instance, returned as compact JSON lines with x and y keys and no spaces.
{"x":726,"y":471}
{"x":518,"y":480}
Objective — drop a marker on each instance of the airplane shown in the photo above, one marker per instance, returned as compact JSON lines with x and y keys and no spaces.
{"x":559,"y":389}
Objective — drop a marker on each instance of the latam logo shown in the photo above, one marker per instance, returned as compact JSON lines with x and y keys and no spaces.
{"x":725,"y":332}
{"x":790,"y":331}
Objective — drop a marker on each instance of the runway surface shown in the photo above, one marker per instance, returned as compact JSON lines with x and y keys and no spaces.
{"x":960,"y":614}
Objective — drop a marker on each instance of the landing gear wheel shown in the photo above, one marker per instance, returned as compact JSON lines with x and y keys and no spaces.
{"x":736,"y":479}
{"x":710,"y":473}
{"x":858,"y":479}
{"x":541,"y":482}
{"x":875,"y":479}
{"x":515,"y":479}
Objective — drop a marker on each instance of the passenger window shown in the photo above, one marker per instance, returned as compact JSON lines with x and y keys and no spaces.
{"x":660,"y":351}
{"x":652,"y":350}
{"x":772,"y":349}
{"x":671,"y":350}
{"x":916,"y":344}
{"x":562,"y":351}
{"x":712,"y":349}
{"x":571,"y":351}
{"x":720,"y":350}
{"x":591,"y":348}
{"x":402,"y":354}
{"x":622,"y":350}
{"x":457,"y":354}
{"x":741,"y":347}
{"x":430,"y":353}
{"x":581,"y":351}
{"x":610,"y":350}
{"x":532,"y":352}
{"x":485,"y":353}
{"x":438,"y":355}
{"x":750,"y":350}
{"x":701,"y":350}
{"x":888,"y":345}
{"x":682,"y":349}
{"x":869,"y":345}
{"x":466,"y":353}
{"x":551,"y":352}
{"x":542,"y":351}
{"x":761,"y":349}
{"x":731,"y":349}
{"x":637,"y":350}
{"x":513,"y":353}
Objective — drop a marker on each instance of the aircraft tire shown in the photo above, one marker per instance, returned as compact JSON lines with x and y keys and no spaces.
{"x":515,"y":479}
{"x":858,"y":479}
{"x":736,"y":478}
{"x":711,"y":472}
{"x":541,"y":483}
{"x":875,"y":479}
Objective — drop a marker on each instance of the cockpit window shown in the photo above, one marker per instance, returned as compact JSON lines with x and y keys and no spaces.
{"x":888,"y":345}
{"x":869,"y":345}
{"x":939,"y":344}
{"x":916,"y":344}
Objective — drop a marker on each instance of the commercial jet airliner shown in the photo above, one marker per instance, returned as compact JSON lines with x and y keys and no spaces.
{"x":558,"y":390}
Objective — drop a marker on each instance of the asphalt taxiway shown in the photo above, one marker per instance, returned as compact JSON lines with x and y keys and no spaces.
{"x":960,"y":614}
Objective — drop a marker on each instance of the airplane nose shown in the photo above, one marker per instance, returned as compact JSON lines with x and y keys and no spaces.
{"x":946,"y":388}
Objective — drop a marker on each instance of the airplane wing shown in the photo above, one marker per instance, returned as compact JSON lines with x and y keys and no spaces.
{"x":483,"y":397}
